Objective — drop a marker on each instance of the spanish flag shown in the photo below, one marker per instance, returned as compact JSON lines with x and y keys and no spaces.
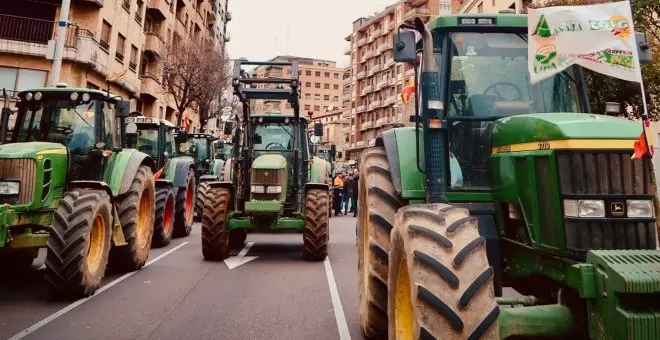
{"x":644,"y":145}
{"x":408,"y":90}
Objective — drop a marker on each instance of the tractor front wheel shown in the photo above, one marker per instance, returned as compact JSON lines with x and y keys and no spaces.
{"x":185,"y":207}
{"x":215,"y":228}
{"x":202,"y":191}
{"x":79,"y":243}
{"x":440,"y":283}
{"x":316,"y":233}
{"x":378,"y":202}
{"x":136,"y":215}
{"x":164,"y":223}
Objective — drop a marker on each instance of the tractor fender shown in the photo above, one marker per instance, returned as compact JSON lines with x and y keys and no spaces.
{"x":96,"y":185}
{"x":123,"y":167}
{"x":226,"y":185}
{"x":178,"y":172}
{"x":399,"y":144}
{"x":208,"y":178}
{"x":227,"y":171}
{"x":319,"y":171}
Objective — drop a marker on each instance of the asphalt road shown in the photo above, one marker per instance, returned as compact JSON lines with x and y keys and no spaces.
{"x":178,"y":295}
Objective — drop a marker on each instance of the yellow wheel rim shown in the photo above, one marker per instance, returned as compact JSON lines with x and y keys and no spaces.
{"x":143,"y":219}
{"x":403,"y":312}
{"x":96,"y":242}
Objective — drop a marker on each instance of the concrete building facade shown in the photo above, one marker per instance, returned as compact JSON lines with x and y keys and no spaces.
{"x":487,"y":6}
{"x":375,"y":79}
{"x":320,"y":86}
{"x":105,"y":37}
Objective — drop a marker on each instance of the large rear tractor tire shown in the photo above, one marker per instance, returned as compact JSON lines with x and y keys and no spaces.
{"x":215,"y":228}
{"x":184,"y":206}
{"x":440,"y":283}
{"x":377,"y":205}
{"x":164,"y":223}
{"x":317,"y":225}
{"x":237,"y":238}
{"x":136,"y":215}
{"x":202,"y":190}
{"x":79,"y":243}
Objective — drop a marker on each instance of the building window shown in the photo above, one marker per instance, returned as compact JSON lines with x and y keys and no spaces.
{"x":335,"y":98}
{"x":325,"y":108}
{"x":326,"y":86}
{"x":126,"y":4}
{"x":327,"y":74}
{"x":317,"y":85}
{"x":480,"y":7}
{"x":336,"y":87}
{"x":308,"y":96}
{"x":92,"y":86}
{"x":307,"y":107}
{"x":119,"y":54}
{"x":318,"y":73}
{"x":138,"y":11}
{"x":104,"y":40}
{"x":336,"y":75}
{"x":326,"y":97}
{"x":317,"y":96}
{"x":15,"y":79}
{"x":308,"y":73}
{"x":132,"y":64}
{"x":316,"y":108}
{"x":308,"y":84}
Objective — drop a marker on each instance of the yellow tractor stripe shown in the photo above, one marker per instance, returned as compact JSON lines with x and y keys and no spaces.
{"x":52,"y":152}
{"x":599,"y":144}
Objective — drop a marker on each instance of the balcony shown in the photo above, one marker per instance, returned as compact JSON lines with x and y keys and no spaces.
{"x":381,"y":84}
{"x":157,"y":9}
{"x":390,"y":100}
{"x":389,"y":63}
{"x":417,"y":12}
{"x":382,"y":48}
{"x":150,"y":86}
{"x":347,"y":97}
{"x":97,"y":3}
{"x":228,"y":16}
{"x":391,"y":26}
{"x":375,"y":34}
{"x":374,"y":69}
{"x":399,"y":77}
{"x":372,"y":142}
{"x":409,"y":73}
{"x":382,"y":121}
{"x":345,"y":130}
{"x":416,"y":3}
{"x":361,"y":108}
{"x":21,"y":35}
{"x":367,"y":89}
{"x":375,"y":104}
{"x":361,"y":42}
{"x":347,"y":50}
{"x":361,"y":74}
{"x":366,"y":125}
{"x":154,"y":44}
{"x":359,"y":144}
{"x":367,"y":55}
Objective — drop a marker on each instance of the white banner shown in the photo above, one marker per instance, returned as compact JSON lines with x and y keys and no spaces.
{"x":599,"y":37}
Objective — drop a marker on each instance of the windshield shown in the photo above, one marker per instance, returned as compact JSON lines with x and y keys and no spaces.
{"x":324,"y":154}
{"x":59,"y":121}
{"x":198,"y":148}
{"x":225,"y":152}
{"x":145,"y":140}
{"x":489,"y":77}
{"x":274,"y":137}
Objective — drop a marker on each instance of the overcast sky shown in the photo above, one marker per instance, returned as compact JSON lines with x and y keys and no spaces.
{"x":263,"y":29}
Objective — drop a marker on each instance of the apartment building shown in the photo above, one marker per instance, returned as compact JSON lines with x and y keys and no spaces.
{"x":105,"y":37}
{"x":487,"y":6}
{"x":376,"y":80}
{"x":320,"y":84}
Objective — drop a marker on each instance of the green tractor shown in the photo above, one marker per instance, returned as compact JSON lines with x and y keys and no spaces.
{"x":175,"y":177}
{"x":67,"y":184}
{"x":199,"y":146}
{"x":511,"y":184}
{"x":274,"y":184}
{"x":328,"y":153}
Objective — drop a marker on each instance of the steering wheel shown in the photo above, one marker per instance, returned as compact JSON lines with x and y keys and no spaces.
{"x":274,"y":143}
{"x":505,"y":84}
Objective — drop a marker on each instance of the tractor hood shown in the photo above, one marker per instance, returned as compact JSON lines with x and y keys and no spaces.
{"x":30,"y":149}
{"x":269,"y":161}
{"x":562,"y":126}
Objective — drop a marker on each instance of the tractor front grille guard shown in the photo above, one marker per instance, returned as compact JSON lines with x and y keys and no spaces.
{"x":266,"y":178}
{"x":23,"y":170}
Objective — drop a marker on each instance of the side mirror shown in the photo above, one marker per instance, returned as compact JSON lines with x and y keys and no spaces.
{"x":123,"y":108}
{"x":256,"y":139}
{"x":643,"y":48}
{"x":404,"y":47}
{"x":228,"y":128}
{"x":318,"y":129}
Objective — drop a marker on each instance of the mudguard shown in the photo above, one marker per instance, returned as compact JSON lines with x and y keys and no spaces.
{"x":227,"y":173}
{"x":177,"y":170}
{"x":227,"y":185}
{"x":161,"y":183}
{"x":123,"y":167}
{"x":319,"y":173}
{"x":90,"y":185}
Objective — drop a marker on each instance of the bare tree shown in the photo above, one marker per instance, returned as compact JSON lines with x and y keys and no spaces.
{"x":195,"y":75}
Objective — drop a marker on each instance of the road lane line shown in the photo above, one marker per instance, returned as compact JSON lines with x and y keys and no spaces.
{"x":68,"y":308}
{"x":342,"y":326}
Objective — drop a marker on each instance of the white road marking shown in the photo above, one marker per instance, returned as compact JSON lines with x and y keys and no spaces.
{"x":240,"y":259}
{"x":70,"y":307}
{"x":336,"y":302}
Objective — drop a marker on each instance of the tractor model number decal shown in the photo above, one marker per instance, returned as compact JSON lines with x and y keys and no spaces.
{"x":545,"y":145}
{"x":504,"y":148}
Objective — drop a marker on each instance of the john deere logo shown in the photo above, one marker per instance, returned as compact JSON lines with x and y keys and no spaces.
{"x":546,"y":58}
{"x":617,"y":209}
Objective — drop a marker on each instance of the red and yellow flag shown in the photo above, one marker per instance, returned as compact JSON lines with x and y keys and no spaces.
{"x":644,"y":145}
{"x":408,"y":91}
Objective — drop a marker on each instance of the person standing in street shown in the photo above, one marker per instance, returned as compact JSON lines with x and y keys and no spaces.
{"x":348,"y":193}
{"x":338,"y":185}
{"x":354,"y":198}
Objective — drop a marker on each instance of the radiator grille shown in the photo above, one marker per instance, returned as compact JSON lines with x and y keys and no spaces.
{"x":268,"y":177}
{"x":22,"y":169}
{"x":547,"y":209}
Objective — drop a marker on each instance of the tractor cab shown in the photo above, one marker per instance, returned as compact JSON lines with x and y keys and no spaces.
{"x":152,"y":136}
{"x":200,"y":147}
{"x":223,"y":150}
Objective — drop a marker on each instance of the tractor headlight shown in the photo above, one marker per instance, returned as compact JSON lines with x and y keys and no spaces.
{"x":85,"y":97}
{"x":274,"y":189}
{"x":258,"y":189}
{"x":37,"y":96}
{"x":9,"y":188}
{"x":584,"y":208}
{"x":640,"y":208}
{"x":74,"y":96}
{"x":28,"y":96}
